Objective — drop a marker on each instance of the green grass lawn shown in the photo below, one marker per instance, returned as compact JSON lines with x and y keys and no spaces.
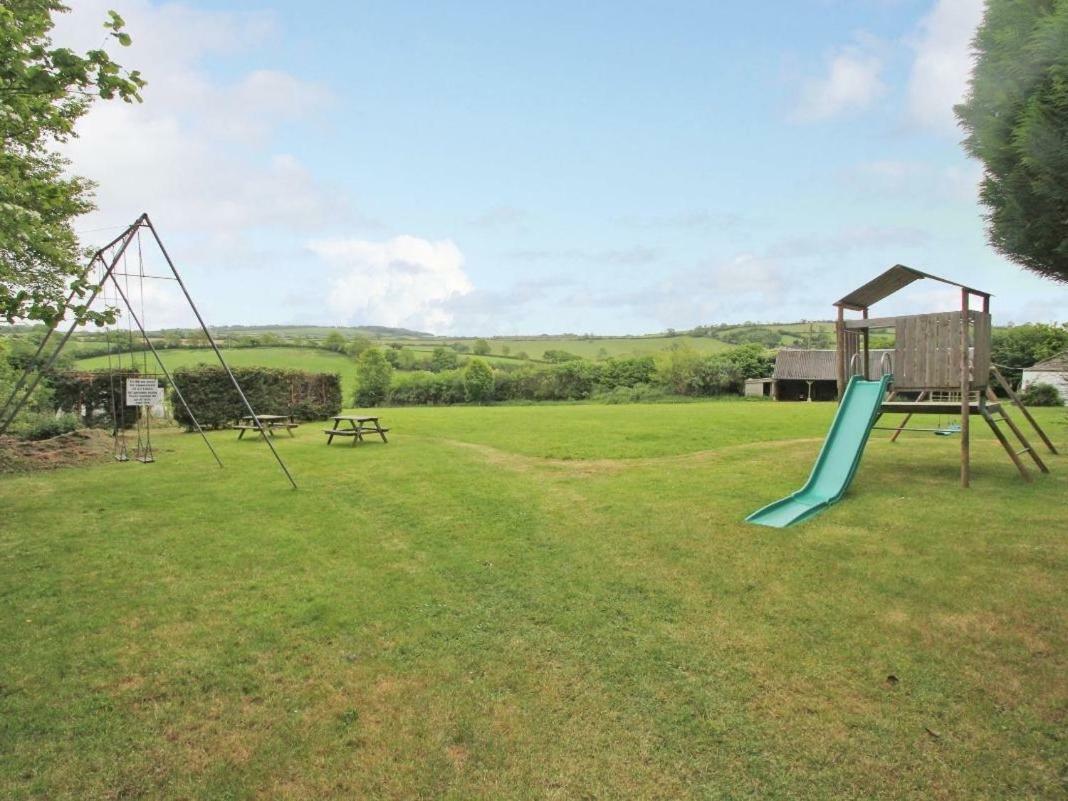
{"x":542,"y":602}
{"x":313,"y":360}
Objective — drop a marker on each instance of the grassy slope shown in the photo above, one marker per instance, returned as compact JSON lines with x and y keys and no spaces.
{"x":317,"y":360}
{"x":591,"y":348}
{"x":452,"y":616}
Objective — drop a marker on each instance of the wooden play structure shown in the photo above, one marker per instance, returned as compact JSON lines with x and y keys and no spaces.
{"x":940,"y":366}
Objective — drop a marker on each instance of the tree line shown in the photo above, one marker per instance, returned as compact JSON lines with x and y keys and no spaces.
{"x":678,"y":371}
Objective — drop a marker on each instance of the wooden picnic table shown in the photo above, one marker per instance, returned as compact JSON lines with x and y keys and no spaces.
{"x":269,"y":422}
{"x":358,"y":426}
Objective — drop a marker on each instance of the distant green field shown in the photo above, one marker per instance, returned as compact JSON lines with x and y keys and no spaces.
{"x":506,"y":361}
{"x":782,"y":335}
{"x":324,"y":361}
{"x":311,"y":359}
{"x":598,"y":348}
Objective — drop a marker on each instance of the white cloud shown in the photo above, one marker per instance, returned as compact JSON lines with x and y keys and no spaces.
{"x":851,"y":83}
{"x":198,"y":154}
{"x":403,"y":281}
{"x":942,"y":63}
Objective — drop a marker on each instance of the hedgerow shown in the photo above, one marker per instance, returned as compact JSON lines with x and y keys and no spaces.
{"x":93,"y":395}
{"x":212,"y":398}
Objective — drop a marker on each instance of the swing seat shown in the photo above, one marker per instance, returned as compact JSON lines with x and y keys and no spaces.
{"x":947,"y":430}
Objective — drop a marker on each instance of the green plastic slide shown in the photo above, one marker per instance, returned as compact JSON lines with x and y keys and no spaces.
{"x":838,"y":459}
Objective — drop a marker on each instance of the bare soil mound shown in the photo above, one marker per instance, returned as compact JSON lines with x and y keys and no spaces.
{"x":75,"y":448}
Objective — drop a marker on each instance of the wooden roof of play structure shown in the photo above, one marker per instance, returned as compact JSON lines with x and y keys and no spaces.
{"x":896,"y":278}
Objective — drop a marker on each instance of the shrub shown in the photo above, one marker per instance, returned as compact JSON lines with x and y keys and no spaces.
{"x":716,"y":375}
{"x":752,"y":361}
{"x":44,"y":425}
{"x":356,"y":346}
{"x":639,"y":393}
{"x":757,"y":336}
{"x":444,"y":359}
{"x":212,"y":398}
{"x":373,"y":376}
{"x":93,"y":394}
{"x":1040,"y":394}
{"x":478,"y":381}
{"x":559,"y":356}
{"x":335,"y":341}
{"x":482,"y":347}
{"x":40,"y":399}
{"x":624,"y":371}
{"x":425,"y":388}
{"x":675,"y":369}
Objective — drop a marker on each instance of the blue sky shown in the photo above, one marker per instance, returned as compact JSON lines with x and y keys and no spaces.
{"x":492,"y":168}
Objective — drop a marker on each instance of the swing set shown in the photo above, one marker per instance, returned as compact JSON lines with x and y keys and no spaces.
{"x":140,"y":389}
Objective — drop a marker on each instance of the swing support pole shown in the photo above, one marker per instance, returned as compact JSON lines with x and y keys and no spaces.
{"x":218,"y":353}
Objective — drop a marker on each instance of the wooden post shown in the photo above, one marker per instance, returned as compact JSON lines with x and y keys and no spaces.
{"x":867,"y":359}
{"x":1019,"y":405}
{"x":1000,"y":435}
{"x":839,"y":341}
{"x":965,"y":395}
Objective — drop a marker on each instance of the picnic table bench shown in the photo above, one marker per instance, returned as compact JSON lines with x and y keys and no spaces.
{"x":358,"y":426}
{"x":269,"y":422}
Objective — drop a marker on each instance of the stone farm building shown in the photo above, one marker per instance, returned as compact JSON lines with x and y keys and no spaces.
{"x":1053,"y":370}
{"x":804,"y":375}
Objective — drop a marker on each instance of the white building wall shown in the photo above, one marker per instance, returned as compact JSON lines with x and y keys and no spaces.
{"x":1057,"y":379}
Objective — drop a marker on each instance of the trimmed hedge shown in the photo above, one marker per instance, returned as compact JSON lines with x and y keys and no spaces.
{"x":90,"y":394}
{"x":216,"y":404}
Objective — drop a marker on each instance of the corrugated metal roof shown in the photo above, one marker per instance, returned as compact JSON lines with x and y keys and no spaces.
{"x":1054,"y":364}
{"x":796,"y":364}
{"x":897,"y":277}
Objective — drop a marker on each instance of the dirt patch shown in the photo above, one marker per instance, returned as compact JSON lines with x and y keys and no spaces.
{"x":86,"y":446}
{"x":523,"y":463}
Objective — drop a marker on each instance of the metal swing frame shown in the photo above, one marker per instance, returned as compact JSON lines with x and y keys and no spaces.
{"x":107,"y":258}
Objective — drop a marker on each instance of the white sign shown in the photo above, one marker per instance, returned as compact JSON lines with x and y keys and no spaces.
{"x":142,"y":391}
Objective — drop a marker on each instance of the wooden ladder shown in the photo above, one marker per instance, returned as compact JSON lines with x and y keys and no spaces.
{"x":995,"y":426}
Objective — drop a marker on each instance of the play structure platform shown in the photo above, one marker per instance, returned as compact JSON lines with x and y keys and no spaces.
{"x":940,"y":366}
